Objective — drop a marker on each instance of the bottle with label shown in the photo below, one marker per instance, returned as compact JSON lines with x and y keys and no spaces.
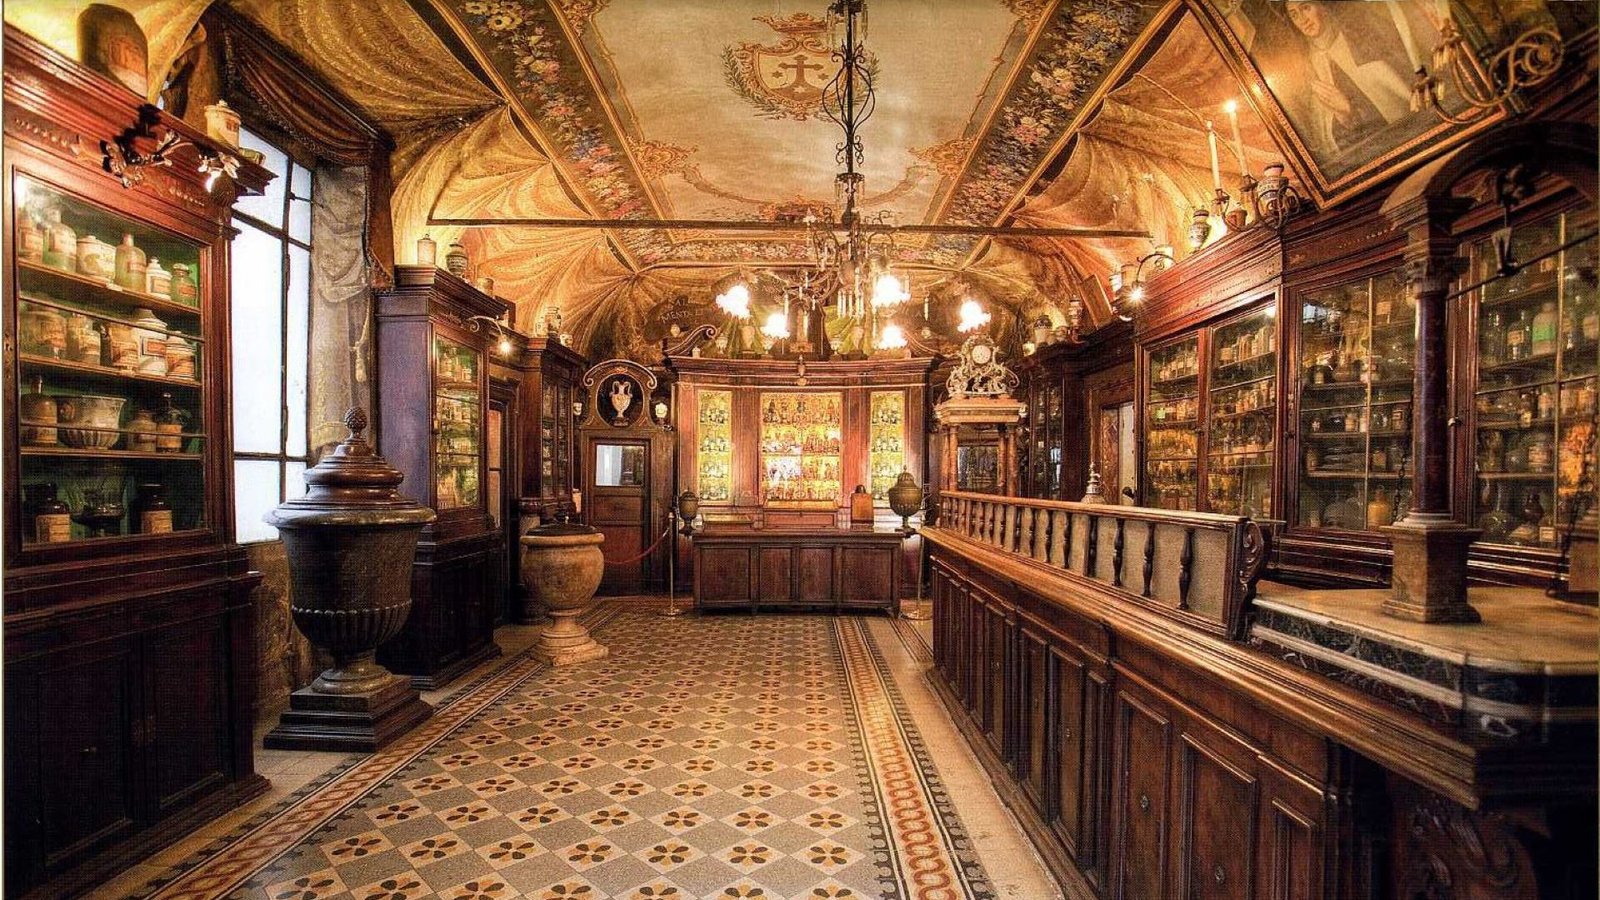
{"x":1498,"y":522}
{"x":1517,"y":336}
{"x":157,"y":281}
{"x":60,"y":242}
{"x":1380,"y":510}
{"x":1492,"y":340}
{"x":52,"y":519}
{"x":151,"y":514}
{"x":130,"y":265}
{"x":1543,"y":341}
{"x":1541,"y":453}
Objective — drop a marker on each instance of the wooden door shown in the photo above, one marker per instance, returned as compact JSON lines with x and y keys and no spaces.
{"x":619,"y":506}
{"x":1141,"y":802}
{"x":186,"y":671}
{"x":1217,"y":796}
{"x":1033,"y":744}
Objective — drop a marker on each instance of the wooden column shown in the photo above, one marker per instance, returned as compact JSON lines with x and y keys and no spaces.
{"x":1429,"y":581}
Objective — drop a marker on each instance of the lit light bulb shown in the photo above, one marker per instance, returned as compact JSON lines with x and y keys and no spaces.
{"x":777,"y":326}
{"x":891,"y":338}
{"x":972,"y":316}
{"x":1137,"y":294}
{"x":735,"y":301}
{"x":1230,"y":107}
{"x":505,"y":345}
{"x":887,"y":291}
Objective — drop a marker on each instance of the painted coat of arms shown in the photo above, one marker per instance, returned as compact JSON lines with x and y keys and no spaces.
{"x":783,"y":80}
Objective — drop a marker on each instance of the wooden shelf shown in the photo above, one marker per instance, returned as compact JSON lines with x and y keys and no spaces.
{"x":99,"y":290}
{"x":1516,"y":476}
{"x":104,"y":373}
{"x":74,"y":453}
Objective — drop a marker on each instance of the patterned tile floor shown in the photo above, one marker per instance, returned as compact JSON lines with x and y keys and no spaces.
{"x":728,"y":757}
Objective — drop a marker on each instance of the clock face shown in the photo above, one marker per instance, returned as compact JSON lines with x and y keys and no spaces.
{"x":982,"y":353}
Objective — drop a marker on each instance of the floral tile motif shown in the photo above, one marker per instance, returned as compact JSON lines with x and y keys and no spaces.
{"x":759,"y":806}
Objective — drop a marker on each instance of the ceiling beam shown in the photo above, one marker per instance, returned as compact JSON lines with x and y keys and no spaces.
{"x":738,"y":225}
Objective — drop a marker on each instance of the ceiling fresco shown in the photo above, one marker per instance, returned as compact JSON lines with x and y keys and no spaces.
{"x":1047,"y":113}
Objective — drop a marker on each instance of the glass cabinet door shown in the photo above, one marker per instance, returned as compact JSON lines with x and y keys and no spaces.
{"x":1242,"y":405}
{"x":1171,"y":421}
{"x":800,"y":449}
{"x":887,"y":445}
{"x":458,"y":425}
{"x":1054,"y":438}
{"x":1357,"y":354}
{"x":109,"y":365}
{"x":1534,"y":404}
{"x":714,"y":482}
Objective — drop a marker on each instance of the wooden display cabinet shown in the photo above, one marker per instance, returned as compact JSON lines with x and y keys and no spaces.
{"x":129,"y":641}
{"x":549,"y":429}
{"x":432,"y":403}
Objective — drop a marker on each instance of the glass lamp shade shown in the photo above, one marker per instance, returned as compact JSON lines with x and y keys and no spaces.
{"x":735,"y":301}
{"x":891,"y":338}
{"x":972,"y":316}
{"x":887,"y":291}
{"x":777,"y":326}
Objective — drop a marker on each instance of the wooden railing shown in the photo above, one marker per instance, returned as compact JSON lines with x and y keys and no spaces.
{"x":1200,"y":567}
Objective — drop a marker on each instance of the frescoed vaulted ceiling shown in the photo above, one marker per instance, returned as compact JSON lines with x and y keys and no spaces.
{"x":1041,"y":113}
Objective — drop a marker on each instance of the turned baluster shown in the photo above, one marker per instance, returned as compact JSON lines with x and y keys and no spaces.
{"x":1090,"y":549}
{"x":1185,"y":568}
{"x":1116,"y":555}
{"x":1149,"y":556}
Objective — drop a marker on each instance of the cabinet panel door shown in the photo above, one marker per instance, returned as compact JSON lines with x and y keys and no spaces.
{"x":1291,"y":861}
{"x":866,"y":574}
{"x":1033,"y":743}
{"x":777,"y":585}
{"x":722,"y":575}
{"x":977,"y":675}
{"x":995,"y":697}
{"x":816,"y":574}
{"x":1076,"y":738}
{"x":186,"y":683}
{"x":86,"y":705}
{"x":1143,"y":789}
{"x":1218,"y":795}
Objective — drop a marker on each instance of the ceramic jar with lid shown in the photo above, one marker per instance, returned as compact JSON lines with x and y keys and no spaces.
{"x":180,"y":357}
{"x":30,"y":238}
{"x":157,"y":281}
{"x":151,"y":335}
{"x":122,"y":349}
{"x":83,"y":339}
{"x":60,"y":242}
{"x":43,"y":330}
{"x":142,"y":432}
{"x":151,"y":513}
{"x":130,"y":265}
{"x":38,"y":407}
{"x":96,"y":258}
{"x":455,"y":259}
{"x":169,"y":428}
{"x":222,"y":123}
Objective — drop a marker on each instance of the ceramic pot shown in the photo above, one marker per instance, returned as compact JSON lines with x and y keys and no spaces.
{"x":38,"y":407}
{"x":455,"y":260}
{"x":44,"y":330}
{"x":96,"y":258}
{"x":157,"y":280}
{"x":561,"y":568}
{"x":142,"y":432}
{"x":222,"y":123}
{"x":180,"y":357}
{"x":30,"y":238}
{"x":151,"y":334}
{"x":83,"y":339}
{"x":96,"y":418}
{"x":124,"y":349}
{"x":351,"y":542}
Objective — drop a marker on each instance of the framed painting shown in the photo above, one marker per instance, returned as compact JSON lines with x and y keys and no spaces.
{"x":1334,"y":79}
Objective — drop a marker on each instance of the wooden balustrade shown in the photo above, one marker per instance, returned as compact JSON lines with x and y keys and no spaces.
{"x":1199,"y":567}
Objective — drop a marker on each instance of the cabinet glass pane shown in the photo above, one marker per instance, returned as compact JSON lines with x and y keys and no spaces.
{"x":715,"y":483}
{"x":110,"y":434}
{"x":1357,"y":352}
{"x":1242,"y":404}
{"x":888,"y":445}
{"x":800,"y":446}
{"x":458,"y":425}
{"x":1171,"y":416}
{"x":1534,"y":406}
{"x":1054,"y":439}
{"x":257,"y":309}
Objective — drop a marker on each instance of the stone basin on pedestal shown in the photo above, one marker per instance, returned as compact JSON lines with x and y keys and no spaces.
{"x":561,"y":568}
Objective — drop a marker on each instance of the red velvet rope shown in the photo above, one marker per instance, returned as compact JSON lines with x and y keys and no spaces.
{"x":647,"y":551}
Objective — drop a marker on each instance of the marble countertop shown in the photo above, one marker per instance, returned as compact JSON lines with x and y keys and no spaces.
{"x":1522,"y":631}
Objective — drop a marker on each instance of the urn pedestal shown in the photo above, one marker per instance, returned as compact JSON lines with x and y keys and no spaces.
{"x":561,"y":568}
{"x":351,"y":541}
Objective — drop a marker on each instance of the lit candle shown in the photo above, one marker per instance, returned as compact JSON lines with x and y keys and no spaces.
{"x":1232,"y":109}
{"x":1216,"y":172}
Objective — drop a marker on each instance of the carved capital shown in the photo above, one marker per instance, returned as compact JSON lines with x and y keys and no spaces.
{"x":1431,"y":274}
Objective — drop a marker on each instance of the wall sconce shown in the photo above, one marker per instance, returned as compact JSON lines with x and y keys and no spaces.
{"x":1529,"y":60}
{"x":475,"y":324}
{"x":127,"y":165}
{"x":1127,"y":284}
{"x":662,"y":411}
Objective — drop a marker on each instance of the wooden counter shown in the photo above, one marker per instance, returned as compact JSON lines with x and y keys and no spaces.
{"x":1163,"y":732}
{"x":837,"y":568}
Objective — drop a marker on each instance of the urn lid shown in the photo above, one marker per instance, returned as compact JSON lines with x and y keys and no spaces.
{"x":352,"y":486}
{"x":560,"y":529}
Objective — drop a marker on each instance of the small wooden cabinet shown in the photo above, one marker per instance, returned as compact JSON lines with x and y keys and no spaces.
{"x":129,"y":634}
{"x":835,"y":568}
{"x":549,"y":431}
{"x":432,"y":390}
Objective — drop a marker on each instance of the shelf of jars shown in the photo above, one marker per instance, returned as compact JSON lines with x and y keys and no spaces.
{"x":886,"y":448}
{"x":1534,"y":402}
{"x":109,"y":361}
{"x":1172,"y":411}
{"x":1242,"y":404}
{"x":458,"y":425}
{"x":800,"y":449}
{"x":715,"y":478}
{"x":1356,"y":355}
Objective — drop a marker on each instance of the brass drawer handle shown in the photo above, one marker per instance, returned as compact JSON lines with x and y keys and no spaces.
{"x":1144,"y":802}
{"x":1220,"y":874}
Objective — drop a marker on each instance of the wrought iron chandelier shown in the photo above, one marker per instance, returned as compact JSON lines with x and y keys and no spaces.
{"x":851,"y":253}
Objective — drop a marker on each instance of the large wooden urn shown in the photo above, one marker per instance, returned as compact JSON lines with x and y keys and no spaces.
{"x":561,"y":567}
{"x":351,"y":541}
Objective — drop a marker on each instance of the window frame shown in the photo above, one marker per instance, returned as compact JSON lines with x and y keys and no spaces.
{"x":282,"y":233}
